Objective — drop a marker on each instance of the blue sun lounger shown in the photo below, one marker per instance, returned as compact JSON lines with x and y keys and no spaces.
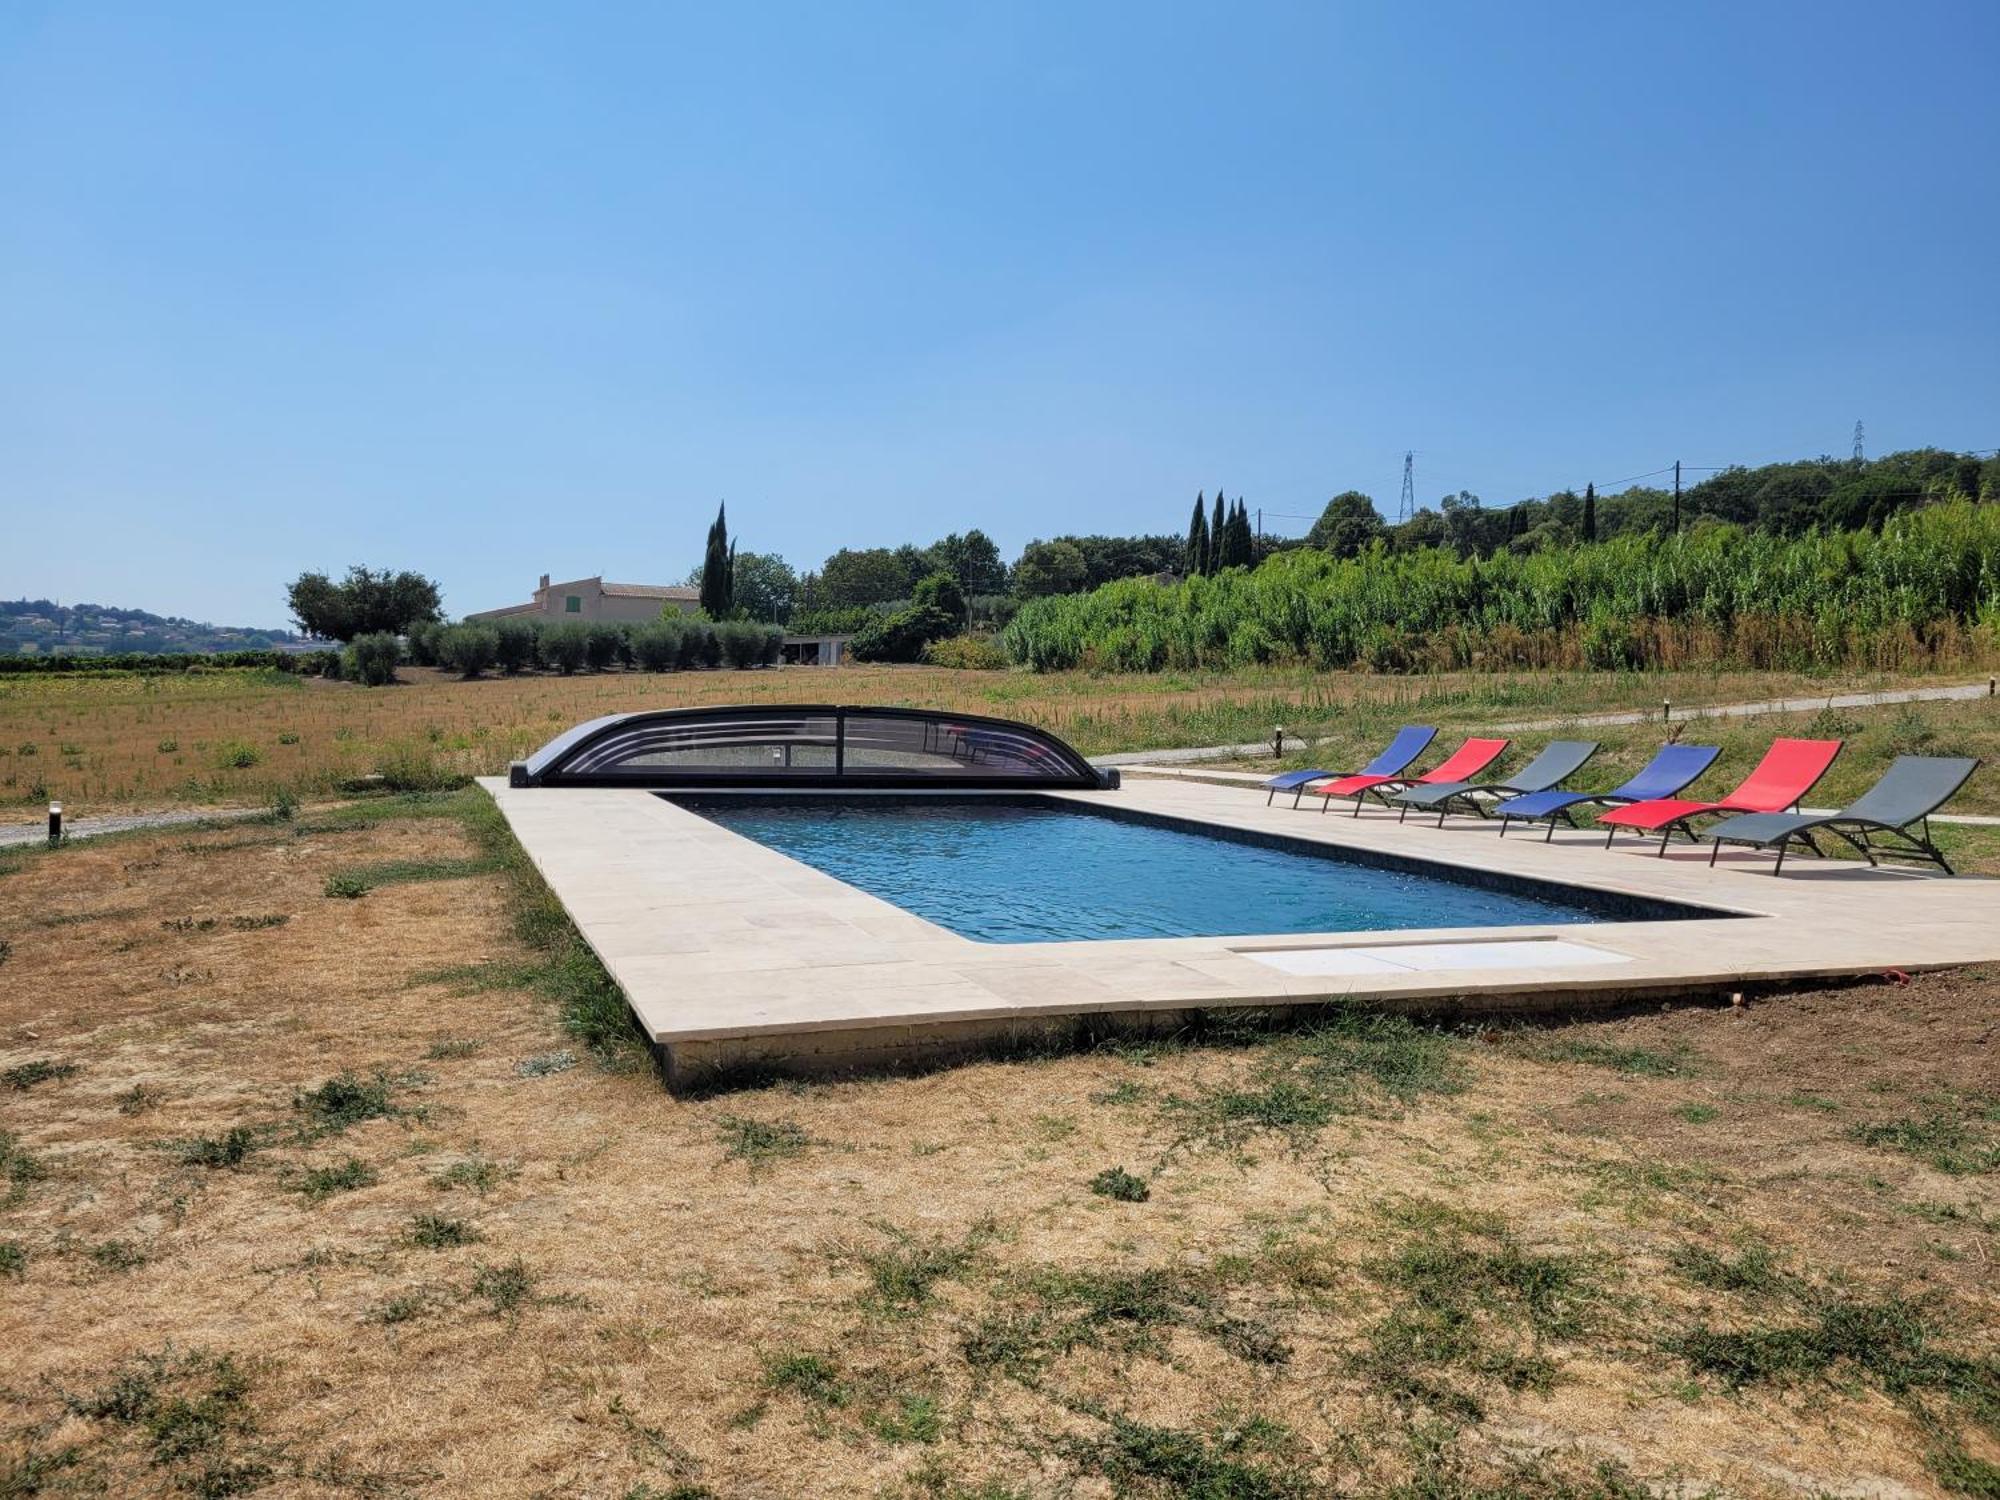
{"x":1665,"y":774}
{"x":1411,"y":741}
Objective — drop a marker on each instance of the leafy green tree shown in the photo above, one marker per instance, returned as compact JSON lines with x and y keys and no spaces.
{"x":371,"y":658}
{"x":766,"y":588}
{"x":940,"y":591}
{"x":365,"y":602}
{"x":718,"y":570}
{"x":468,"y":649}
{"x":1050,"y":568}
{"x":564,"y":645}
{"x":514,"y":644}
{"x":902,"y":636}
{"x":873,"y":575}
{"x":1106,"y":558}
{"x":1348,"y":526}
{"x":973,"y":560}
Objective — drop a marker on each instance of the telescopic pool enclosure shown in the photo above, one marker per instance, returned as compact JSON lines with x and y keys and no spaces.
{"x":817,"y":747}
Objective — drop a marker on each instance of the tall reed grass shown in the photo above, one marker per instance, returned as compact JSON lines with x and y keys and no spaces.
{"x":1924,"y":591}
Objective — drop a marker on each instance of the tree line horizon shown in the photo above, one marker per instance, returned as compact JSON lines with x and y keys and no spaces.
{"x":854,"y":587}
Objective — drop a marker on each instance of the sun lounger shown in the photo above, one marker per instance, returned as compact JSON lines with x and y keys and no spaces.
{"x":1789,"y":769}
{"x":1556,"y":764}
{"x":1467,"y":761}
{"x":1664,"y":775}
{"x":1411,"y":741}
{"x":1914,"y":787}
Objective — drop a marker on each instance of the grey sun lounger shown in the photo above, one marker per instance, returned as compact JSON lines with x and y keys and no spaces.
{"x":1914,"y":787}
{"x":1411,"y":741}
{"x":1558,"y":761}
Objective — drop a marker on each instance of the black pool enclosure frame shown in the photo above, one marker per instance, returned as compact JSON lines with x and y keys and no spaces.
{"x":809,"y":747}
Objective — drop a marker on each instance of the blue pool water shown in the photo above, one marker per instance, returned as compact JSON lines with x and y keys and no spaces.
{"x":1018,"y":872}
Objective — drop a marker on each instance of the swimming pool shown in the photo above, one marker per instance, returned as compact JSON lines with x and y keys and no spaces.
{"x":1027,"y":870}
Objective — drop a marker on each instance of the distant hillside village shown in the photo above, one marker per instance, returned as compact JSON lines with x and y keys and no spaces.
{"x":38,"y":627}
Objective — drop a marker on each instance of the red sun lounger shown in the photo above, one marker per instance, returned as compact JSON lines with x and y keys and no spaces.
{"x":1789,"y":769}
{"x":1464,"y":763}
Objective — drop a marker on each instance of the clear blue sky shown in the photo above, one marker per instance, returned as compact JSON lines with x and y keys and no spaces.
{"x":493,"y":289}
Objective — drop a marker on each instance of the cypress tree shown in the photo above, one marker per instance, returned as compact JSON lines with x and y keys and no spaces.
{"x":718,"y":569}
{"x":1197,"y":542}
{"x":1244,"y":552}
{"x":1218,"y":536}
{"x":1590,"y":512}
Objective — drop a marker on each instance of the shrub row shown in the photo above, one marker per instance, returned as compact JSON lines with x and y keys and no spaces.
{"x":564,"y":646}
{"x":1925,"y":589}
{"x":303,"y":663}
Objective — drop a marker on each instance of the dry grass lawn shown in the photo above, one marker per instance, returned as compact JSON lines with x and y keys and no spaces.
{"x":119,"y":740}
{"x":286,"y":1210}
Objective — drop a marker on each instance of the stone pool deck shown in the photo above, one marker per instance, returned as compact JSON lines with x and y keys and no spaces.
{"x":735,"y":957}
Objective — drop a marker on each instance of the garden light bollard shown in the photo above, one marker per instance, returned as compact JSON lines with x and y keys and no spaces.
{"x":55,"y":823}
{"x":1666,"y":709}
{"x":1278,"y":743}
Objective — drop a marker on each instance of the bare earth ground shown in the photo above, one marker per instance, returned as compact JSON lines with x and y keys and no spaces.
{"x":1743,"y":1250}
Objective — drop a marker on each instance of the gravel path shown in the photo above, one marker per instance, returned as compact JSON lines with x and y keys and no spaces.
{"x":17,"y":834}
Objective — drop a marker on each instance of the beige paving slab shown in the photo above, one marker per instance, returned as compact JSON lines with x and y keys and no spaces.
{"x":719,"y":940}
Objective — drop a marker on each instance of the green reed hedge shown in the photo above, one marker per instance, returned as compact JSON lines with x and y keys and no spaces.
{"x":1923,"y":590}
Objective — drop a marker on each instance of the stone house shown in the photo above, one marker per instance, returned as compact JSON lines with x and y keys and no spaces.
{"x":589,"y":599}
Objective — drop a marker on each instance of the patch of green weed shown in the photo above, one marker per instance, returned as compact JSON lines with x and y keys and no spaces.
{"x":902,"y":1273}
{"x":347,"y":1099}
{"x":760,"y":1142}
{"x":1243,"y":1460}
{"x":1464,"y":1295}
{"x":318,"y":1183}
{"x":358,"y":880}
{"x":1352,"y":1063}
{"x":441,"y":1232}
{"x":1948,"y":1134}
{"x":544,"y":1064}
{"x":226,"y":1151}
{"x":118,"y":1255}
{"x":910,"y":1419}
{"x":476,"y":1173}
{"x":1633,"y":1062}
{"x":1755,"y":1270}
{"x":504,"y":1289}
{"x":812,"y":1377}
{"x":42,"y":1070}
{"x":1116,"y":1182}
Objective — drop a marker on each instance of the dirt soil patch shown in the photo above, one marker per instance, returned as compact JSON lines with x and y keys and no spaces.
{"x":313,"y":1182}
